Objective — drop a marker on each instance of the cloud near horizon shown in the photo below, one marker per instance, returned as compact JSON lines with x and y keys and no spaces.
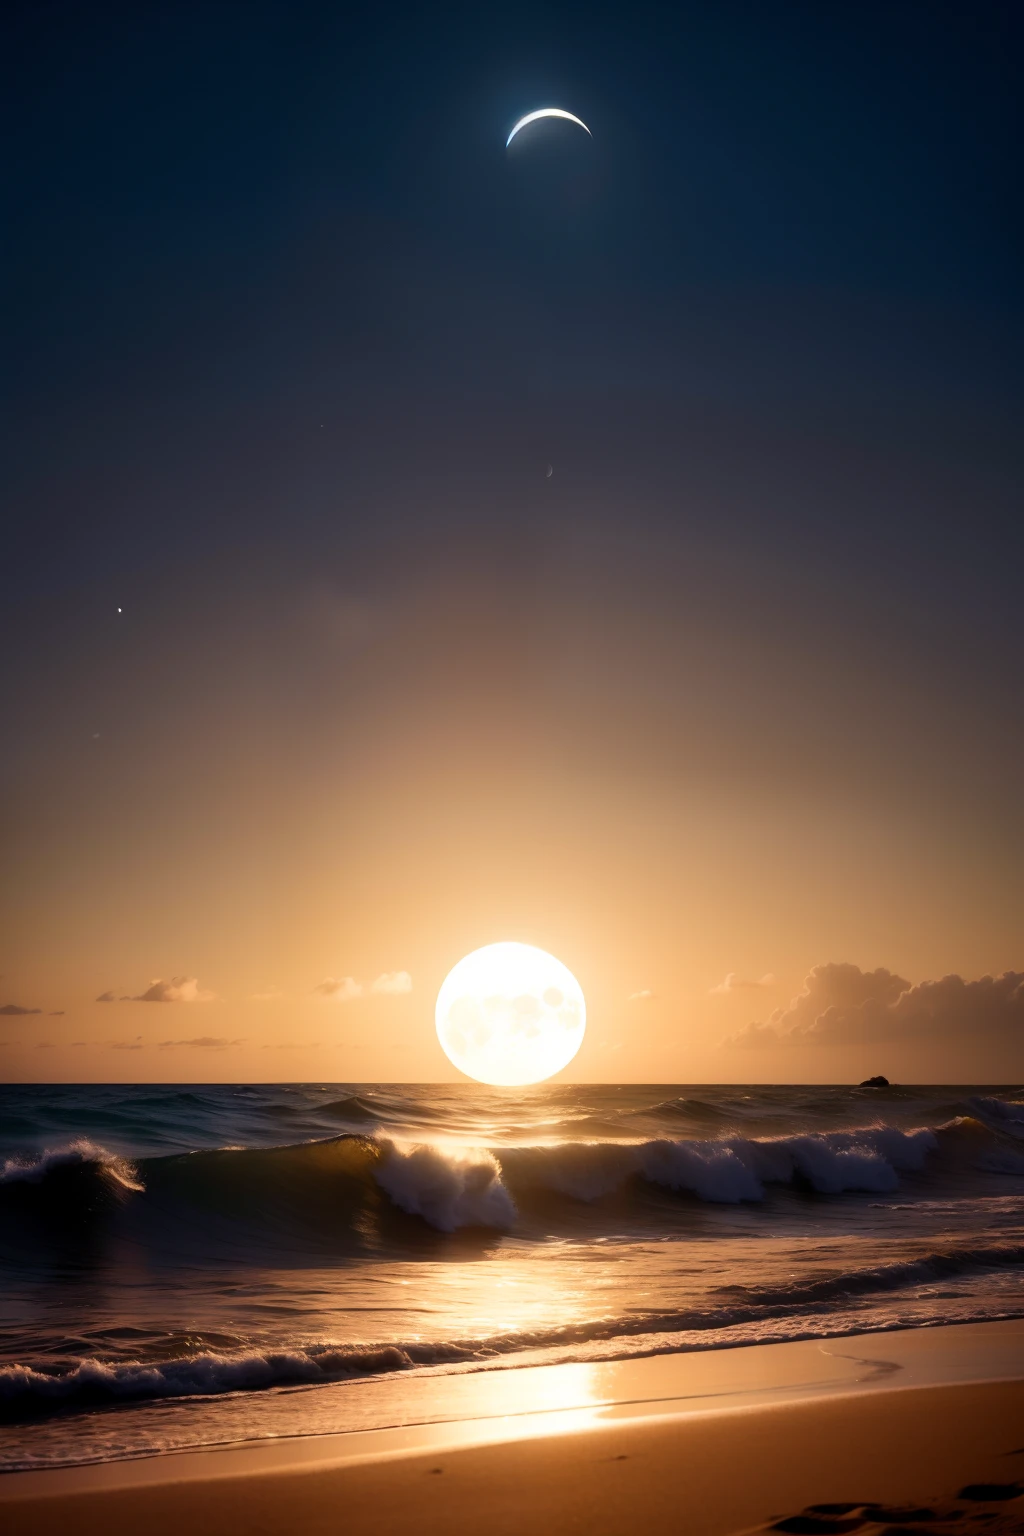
{"x":202,"y":1042}
{"x":14,"y":1011}
{"x":734,"y":982}
{"x":645,"y":995}
{"x":345,"y":989}
{"x":180,"y":989}
{"x":392,"y":983}
{"x":843,"y":1005}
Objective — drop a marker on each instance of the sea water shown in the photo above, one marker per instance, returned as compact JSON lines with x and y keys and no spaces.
{"x":184,"y":1266}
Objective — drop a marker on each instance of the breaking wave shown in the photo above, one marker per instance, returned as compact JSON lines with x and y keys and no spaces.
{"x":448,"y":1188}
{"x":731,"y":1169}
{"x":77,"y":1158}
{"x":322,"y":1191}
{"x":28,"y":1391}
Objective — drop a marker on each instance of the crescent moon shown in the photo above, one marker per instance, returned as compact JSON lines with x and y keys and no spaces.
{"x":531,"y":117}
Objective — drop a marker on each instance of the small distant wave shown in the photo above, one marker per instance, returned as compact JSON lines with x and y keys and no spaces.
{"x":687,"y":1109}
{"x":354,"y":1110}
{"x":898,"y":1275}
{"x":390,"y":1111}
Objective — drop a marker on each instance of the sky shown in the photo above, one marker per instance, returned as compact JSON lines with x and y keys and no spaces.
{"x":610,"y":543}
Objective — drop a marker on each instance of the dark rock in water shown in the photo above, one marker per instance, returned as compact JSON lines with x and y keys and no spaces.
{"x":875,"y":1082}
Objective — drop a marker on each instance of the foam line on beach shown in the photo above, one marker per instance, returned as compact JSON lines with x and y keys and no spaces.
{"x":42,"y":1387}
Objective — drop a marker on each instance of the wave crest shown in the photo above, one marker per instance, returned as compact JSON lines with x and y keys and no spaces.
{"x":27,"y":1390}
{"x":78,"y":1156}
{"x":731,"y":1169}
{"x":450,"y":1187}
{"x":324,"y":1192}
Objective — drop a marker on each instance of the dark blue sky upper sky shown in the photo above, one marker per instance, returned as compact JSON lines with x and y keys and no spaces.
{"x":273,"y":289}
{"x":262,"y":201}
{"x":270,"y":280}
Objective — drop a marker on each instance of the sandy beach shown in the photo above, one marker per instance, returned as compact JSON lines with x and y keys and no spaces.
{"x":889,"y":1431}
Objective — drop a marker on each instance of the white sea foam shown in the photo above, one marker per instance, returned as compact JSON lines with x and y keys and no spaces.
{"x":836,"y":1161}
{"x":450,"y":1187}
{"x":31,"y":1389}
{"x":23,"y":1387}
{"x":728,"y":1170}
{"x":711,"y":1170}
{"x":80,"y":1153}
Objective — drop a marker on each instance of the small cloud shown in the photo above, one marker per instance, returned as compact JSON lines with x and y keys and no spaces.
{"x":755,"y":1036}
{"x":107,"y":997}
{"x":44,"y":1045}
{"x":180,"y":989}
{"x":57,"y":1013}
{"x":203,"y":1042}
{"x":392,"y":982}
{"x":343,"y":990}
{"x":126,"y":1045}
{"x":643,"y":996}
{"x":734,"y":982}
{"x":13,"y":1011}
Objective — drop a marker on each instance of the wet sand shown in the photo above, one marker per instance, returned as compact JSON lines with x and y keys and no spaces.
{"x":889,"y":1432}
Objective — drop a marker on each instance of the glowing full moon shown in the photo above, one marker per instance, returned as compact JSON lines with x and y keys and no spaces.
{"x":510,"y":1014}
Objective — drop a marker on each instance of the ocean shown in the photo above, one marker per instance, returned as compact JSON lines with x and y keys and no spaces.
{"x":188,"y":1266}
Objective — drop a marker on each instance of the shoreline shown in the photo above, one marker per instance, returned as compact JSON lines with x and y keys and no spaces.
{"x":868,"y":1417}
